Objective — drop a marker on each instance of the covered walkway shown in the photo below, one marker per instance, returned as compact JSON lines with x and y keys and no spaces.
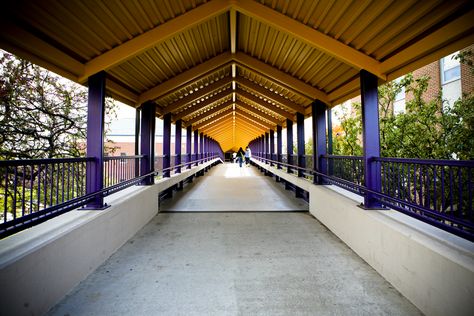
{"x":265,"y":263}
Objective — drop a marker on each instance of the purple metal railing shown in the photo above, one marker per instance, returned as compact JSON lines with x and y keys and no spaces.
{"x":32,"y":191}
{"x":28,"y":186}
{"x":439,"y":192}
{"x":118,"y":169}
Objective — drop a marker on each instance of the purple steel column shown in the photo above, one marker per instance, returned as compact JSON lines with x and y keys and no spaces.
{"x":330,"y":163}
{"x":196,"y":146}
{"x":371,"y":136}
{"x":137,"y":138}
{"x":177,"y":144}
{"x":166,"y":144}
{"x":201,"y":146}
{"x":147,"y":141}
{"x":189,"y":135}
{"x":267,"y":145}
{"x":279,"y":145}
{"x":301,"y":151}
{"x":272,"y":145}
{"x":95,"y":138}
{"x":318,"y":110}
{"x":289,"y":143}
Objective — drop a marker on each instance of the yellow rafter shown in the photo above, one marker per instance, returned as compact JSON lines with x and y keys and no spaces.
{"x":264,"y":104}
{"x":193,"y":109}
{"x":264,"y":115}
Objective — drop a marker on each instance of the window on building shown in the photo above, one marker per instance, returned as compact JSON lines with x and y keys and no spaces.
{"x":450,"y":79}
{"x":399,"y":103}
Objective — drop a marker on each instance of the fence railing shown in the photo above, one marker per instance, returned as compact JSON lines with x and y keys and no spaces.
{"x":32,"y":191}
{"x":439,"y":192}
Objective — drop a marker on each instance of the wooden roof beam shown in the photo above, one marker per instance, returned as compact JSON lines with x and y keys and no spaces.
{"x":264,"y":115}
{"x":269,"y":94}
{"x":185,"y":78}
{"x":213,"y":120}
{"x":208,"y":113}
{"x":193,"y":109}
{"x":252,"y":120}
{"x":310,"y":36}
{"x":201,"y":93}
{"x":256,"y":119}
{"x":162,"y":32}
{"x":264,"y":104}
{"x":282,"y":78}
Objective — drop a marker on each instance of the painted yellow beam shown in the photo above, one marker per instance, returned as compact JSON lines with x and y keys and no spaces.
{"x":264,"y":104}
{"x":461,"y":27}
{"x":185,"y":78}
{"x":255,"y":119}
{"x":309,"y":36}
{"x":193,"y":109}
{"x":233,"y":30}
{"x":212,"y":121}
{"x":251,"y":120}
{"x":251,"y":130}
{"x":224,"y":123}
{"x":269,"y":94}
{"x":266,"y":116}
{"x":154,"y":36}
{"x":197,"y":95}
{"x":207,"y":113}
{"x":282,"y":78}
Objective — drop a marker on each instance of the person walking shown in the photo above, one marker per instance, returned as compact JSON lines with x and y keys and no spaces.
{"x":240,"y":156}
{"x":248,"y":155}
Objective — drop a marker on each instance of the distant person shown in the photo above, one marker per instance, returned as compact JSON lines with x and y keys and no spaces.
{"x":248,"y":155}
{"x":240,"y":156}
{"x":234,"y":157}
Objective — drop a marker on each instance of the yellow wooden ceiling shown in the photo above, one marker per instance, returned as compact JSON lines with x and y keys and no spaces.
{"x":234,"y":68}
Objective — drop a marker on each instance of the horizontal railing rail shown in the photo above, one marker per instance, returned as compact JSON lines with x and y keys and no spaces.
{"x":33,"y":191}
{"x":438,"y":192}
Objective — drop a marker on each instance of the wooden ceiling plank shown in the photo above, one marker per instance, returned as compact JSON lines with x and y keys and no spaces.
{"x":213,"y":121}
{"x":185,"y":78}
{"x":252,"y":120}
{"x":309,"y":36}
{"x":274,"y":74}
{"x":233,"y":30}
{"x":269,"y":94}
{"x":154,"y":36}
{"x":257,"y":120}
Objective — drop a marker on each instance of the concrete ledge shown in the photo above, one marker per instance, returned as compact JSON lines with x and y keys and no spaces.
{"x":432,"y":268}
{"x":40,"y":265}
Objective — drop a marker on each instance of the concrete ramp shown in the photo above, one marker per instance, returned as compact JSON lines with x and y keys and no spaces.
{"x":229,"y":188}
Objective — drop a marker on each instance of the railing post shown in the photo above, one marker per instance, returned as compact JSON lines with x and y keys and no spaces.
{"x":196,"y":146}
{"x":318,"y":109}
{"x":166,"y":144}
{"x":177,"y":144}
{"x":95,"y":138}
{"x":371,"y":137}
{"x":147,"y":141}
{"x":301,"y":149}
{"x":189,"y":135}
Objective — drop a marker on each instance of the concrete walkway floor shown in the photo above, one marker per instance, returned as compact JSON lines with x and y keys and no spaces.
{"x":227,"y":187}
{"x":262,"y":263}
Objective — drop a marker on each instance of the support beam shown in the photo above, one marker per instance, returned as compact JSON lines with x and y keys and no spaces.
{"x":279,"y":145}
{"x":95,"y":138}
{"x":301,"y":149}
{"x":166,"y":145}
{"x":189,"y":135}
{"x":269,"y":94}
{"x":201,"y":146}
{"x":186,"y":77}
{"x":319,"y":139}
{"x":177,"y":144}
{"x":309,"y":36}
{"x":213,"y":120}
{"x":206,"y":114}
{"x":137,"y":141}
{"x":198,"y":95}
{"x":233,"y":30}
{"x":252,"y":120}
{"x":267,"y":146}
{"x":264,"y":104}
{"x":330,"y":143}
{"x":147,"y":40}
{"x":196,"y":144}
{"x":272,"y":145}
{"x":241,"y":105}
{"x":289,"y":143}
{"x":226,"y":94}
{"x":371,"y":137}
{"x":147,"y":141}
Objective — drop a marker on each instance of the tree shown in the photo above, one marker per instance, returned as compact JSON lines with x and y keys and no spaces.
{"x":41,"y":114}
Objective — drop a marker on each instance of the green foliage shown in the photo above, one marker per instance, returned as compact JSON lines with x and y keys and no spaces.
{"x":427,"y":130}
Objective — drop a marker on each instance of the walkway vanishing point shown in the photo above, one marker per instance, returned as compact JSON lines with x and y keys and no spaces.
{"x":234,"y":242}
